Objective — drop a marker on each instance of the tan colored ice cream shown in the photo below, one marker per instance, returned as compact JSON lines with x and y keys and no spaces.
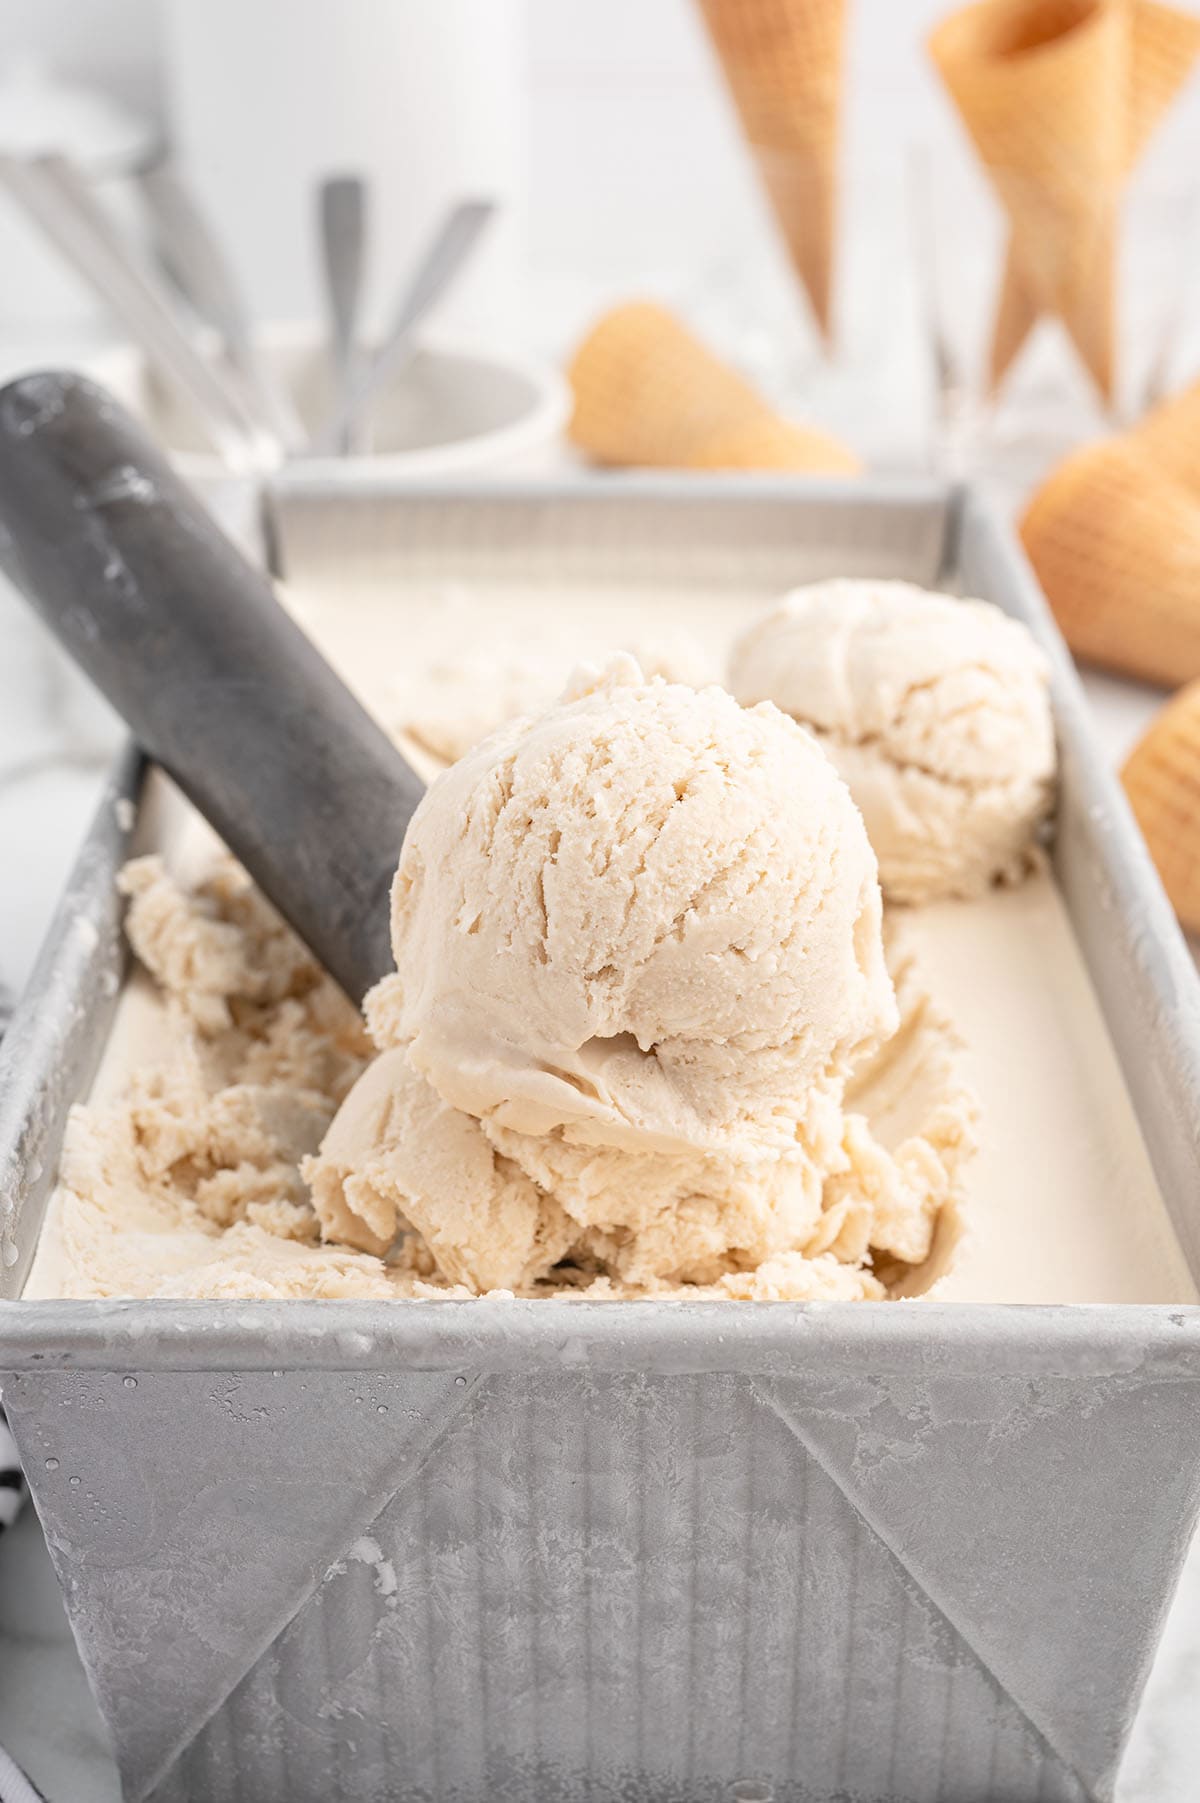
{"x":641,"y":1040}
{"x":463,"y":697}
{"x":230,"y":1056}
{"x":937,"y":714}
{"x":648,"y":918}
{"x":638,"y":948}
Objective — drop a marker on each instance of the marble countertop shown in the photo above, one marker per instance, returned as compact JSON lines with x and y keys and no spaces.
{"x":56,"y":740}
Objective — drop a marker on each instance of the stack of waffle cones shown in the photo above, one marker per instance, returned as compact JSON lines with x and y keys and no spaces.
{"x":1060,"y":98}
{"x":782,"y":60}
{"x":648,"y":393}
{"x":1162,"y":780}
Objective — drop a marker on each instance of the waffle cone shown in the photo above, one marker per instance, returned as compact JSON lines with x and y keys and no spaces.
{"x":1088,"y":310}
{"x":1087,"y":306}
{"x":1040,"y":86}
{"x":1116,"y":546}
{"x":782,"y":60}
{"x":1165,"y":44}
{"x":648,"y":393}
{"x":1162,"y":780}
{"x":1016,"y":316}
{"x":1122,"y":61}
{"x":770,"y":443}
{"x":1169,"y":437}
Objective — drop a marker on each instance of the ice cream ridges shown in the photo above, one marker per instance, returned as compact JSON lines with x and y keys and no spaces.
{"x":640,"y":983}
{"x":936,"y":713}
{"x":638,"y":954}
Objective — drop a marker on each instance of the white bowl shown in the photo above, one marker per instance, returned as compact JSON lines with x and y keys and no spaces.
{"x":453,"y":409}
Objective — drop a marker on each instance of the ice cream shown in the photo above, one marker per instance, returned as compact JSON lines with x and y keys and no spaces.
{"x":190,"y":1183}
{"x":935,"y":711}
{"x":463,"y":697}
{"x":1058,"y":1200}
{"x":399,"y":1159}
{"x":639,"y":953}
{"x":639,"y":963}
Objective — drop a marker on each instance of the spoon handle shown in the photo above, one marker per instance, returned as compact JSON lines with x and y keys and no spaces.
{"x":197,"y":263}
{"x":58,"y":200}
{"x":443,"y":258}
{"x":343,"y":220}
{"x":219,"y":684}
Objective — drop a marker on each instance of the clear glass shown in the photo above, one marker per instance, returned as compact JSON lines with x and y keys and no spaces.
{"x":1046,"y":402}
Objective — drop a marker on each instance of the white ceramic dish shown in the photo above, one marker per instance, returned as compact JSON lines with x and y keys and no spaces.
{"x":454,"y":409}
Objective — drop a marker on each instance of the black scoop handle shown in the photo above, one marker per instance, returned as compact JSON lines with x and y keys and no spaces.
{"x":185,"y":638}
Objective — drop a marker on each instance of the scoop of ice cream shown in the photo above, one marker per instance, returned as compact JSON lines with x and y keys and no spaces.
{"x":191,"y":1180}
{"x":935,"y":711}
{"x":648,"y":919}
{"x":638,"y":947}
{"x":639,"y":956}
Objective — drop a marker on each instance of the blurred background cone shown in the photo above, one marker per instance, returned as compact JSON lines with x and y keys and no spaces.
{"x":1169,"y":437}
{"x":1041,"y":87}
{"x":648,"y":393}
{"x":1163,"y":46}
{"x":1162,"y":780}
{"x":1116,"y":547}
{"x":783,"y":62}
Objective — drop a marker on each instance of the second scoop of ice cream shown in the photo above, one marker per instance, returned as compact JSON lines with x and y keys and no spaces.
{"x":937,"y":714}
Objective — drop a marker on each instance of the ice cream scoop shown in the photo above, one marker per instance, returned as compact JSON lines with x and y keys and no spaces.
{"x":638,"y":955}
{"x":186,"y":639}
{"x":637,"y":920}
{"x":936,"y":713}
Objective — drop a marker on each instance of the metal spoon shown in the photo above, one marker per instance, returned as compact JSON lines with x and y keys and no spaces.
{"x":343,"y":231}
{"x":451,"y":246}
{"x":197,"y":264}
{"x":58,"y":199}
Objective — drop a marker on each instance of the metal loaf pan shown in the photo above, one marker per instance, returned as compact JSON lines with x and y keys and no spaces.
{"x":677,"y":1553}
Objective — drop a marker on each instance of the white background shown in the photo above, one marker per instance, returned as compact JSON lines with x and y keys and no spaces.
{"x":635,"y":165}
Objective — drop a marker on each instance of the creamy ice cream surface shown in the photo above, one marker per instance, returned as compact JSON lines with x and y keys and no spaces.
{"x":648,"y":917}
{"x":639,"y":953}
{"x":229,"y":1056}
{"x":937,"y":714}
{"x":467,"y":693}
{"x":639,"y":962}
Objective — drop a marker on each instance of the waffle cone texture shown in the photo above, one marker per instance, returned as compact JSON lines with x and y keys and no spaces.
{"x":783,"y":63}
{"x":1060,"y":98}
{"x":649,"y":394}
{"x":1116,"y":547}
{"x":1169,"y":437}
{"x":1162,"y":780}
